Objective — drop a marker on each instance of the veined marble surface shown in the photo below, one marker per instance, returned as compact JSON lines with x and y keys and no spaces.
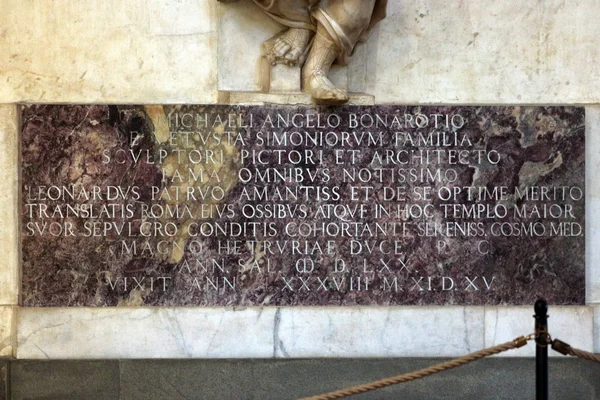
{"x":93,"y":333}
{"x":419,"y":205}
{"x":146,"y":333}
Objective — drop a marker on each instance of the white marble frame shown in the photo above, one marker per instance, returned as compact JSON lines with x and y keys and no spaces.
{"x":277,"y":332}
{"x":271,"y":332}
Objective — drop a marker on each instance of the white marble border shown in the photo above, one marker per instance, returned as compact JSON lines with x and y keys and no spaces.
{"x":110,"y":333}
{"x":113,"y":333}
{"x":592,"y":209}
{"x":288,"y":332}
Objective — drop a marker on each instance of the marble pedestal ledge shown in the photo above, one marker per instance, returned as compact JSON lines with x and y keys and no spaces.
{"x":135,"y":333}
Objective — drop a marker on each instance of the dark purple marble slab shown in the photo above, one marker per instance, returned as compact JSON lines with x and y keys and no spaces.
{"x":287,"y":205}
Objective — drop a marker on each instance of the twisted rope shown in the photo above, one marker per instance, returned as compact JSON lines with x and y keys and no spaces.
{"x":411,"y":376}
{"x":566,"y":349}
{"x":585,"y":355}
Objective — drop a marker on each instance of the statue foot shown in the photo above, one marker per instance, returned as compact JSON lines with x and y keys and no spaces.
{"x":323,"y":91}
{"x":289,"y":47}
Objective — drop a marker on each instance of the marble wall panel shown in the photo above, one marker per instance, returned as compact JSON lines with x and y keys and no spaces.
{"x":434,"y":51}
{"x":430,"y":52}
{"x":106,"y":333}
{"x":108,"y":51}
{"x":379,"y":332}
{"x":84,"y":333}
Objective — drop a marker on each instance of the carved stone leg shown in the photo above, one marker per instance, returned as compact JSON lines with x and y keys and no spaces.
{"x":314,"y":74}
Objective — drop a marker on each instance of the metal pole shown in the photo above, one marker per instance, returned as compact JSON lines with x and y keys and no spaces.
{"x":541,"y":352}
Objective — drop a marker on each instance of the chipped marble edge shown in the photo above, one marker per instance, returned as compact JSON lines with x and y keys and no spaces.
{"x":287,"y":332}
{"x":9,"y":199}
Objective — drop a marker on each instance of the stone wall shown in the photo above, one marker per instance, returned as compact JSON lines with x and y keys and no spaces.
{"x":194,"y":51}
{"x":166,"y":51}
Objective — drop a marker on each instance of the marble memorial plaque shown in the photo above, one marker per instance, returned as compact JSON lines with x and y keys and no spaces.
{"x":297,"y":205}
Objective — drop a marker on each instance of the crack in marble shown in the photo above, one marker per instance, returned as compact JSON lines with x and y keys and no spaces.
{"x":495,"y":328}
{"x":40,"y":349}
{"x":277,"y":342}
{"x":211,"y":343}
{"x":178,"y":336}
{"x":26,"y":338}
{"x":466,"y":330}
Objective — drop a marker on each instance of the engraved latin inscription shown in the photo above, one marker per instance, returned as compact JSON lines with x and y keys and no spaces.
{"x":282,"y":205}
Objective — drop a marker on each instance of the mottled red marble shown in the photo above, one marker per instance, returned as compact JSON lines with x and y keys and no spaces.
{"x":68,"y":263}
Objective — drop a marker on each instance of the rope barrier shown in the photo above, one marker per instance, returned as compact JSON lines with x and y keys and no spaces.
{"x":411,"y":376}
{"x":567,"y":350}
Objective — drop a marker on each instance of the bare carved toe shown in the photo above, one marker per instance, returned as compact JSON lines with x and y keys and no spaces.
{"x":268,"y":49}
{"x":289,"y":47}
{"x":281,"y":48}
{"x":323,"y":91}
{"x":294,"y":55}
